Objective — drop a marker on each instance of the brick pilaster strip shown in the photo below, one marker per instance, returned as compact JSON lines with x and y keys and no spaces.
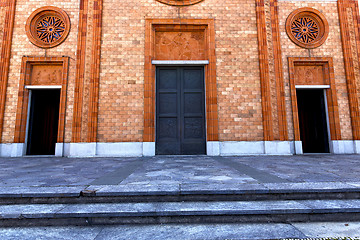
{"x":350,"y":30}
{"x":264,"y":72}
{"x":279,"y":75}
{"x":95,"y":72}
{"x":23,"y":98}
{"x":62,"y":108}
{"x":149,"y":85}
{"x":211,"y":88}
{"x":333,"y":107}
{"x":5,"y":57}
{"x":80,"y":72}
{"x":356,"y":52}
{"x":294,"y":106}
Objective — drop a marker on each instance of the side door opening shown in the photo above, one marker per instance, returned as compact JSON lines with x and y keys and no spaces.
{"x":43,"y":122}
{"x":313,"y":120}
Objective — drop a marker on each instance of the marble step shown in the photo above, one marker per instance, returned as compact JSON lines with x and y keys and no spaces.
{"x":179,"y":212}
{"x":178,"y":193}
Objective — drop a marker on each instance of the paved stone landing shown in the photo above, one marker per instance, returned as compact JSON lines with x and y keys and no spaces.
{"x":274,"y":171}
{"x":171,"y":175}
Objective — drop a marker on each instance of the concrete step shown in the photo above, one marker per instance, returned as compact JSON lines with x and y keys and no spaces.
{"x":178,"y":193}
{"x":179,"y":212}
{"x":239,"y":231}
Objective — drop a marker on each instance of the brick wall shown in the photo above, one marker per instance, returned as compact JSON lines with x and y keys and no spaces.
{"x":87,"y":73}
{"x":122,"y":66}
{"x":331,"y":48}
{"x":121,"y":94}
{"x":21,"y":46}
{"x":3,"y":9}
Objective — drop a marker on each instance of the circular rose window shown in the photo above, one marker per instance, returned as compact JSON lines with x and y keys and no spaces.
{"x":307,"y":27}
{"x":179,"y":2}
{"x":47,"y":27}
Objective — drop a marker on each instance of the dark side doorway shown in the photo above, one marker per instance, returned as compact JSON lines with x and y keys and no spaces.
{"x":180,"y":111}
{"x":43,"y":122}
{"x":312,"y":120}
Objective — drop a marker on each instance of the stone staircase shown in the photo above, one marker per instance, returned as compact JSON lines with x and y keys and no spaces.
{"x":124,"y":204}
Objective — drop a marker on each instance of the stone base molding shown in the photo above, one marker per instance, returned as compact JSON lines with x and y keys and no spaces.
{"x":214,"y":148}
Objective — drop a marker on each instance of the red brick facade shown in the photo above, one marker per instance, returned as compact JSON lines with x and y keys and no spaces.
{"x":252,"y":71}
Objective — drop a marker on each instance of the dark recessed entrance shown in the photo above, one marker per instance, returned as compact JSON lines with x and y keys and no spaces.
{"x":43,"y":122}
{"x":180,"y":110}
{"x":312,"y":121}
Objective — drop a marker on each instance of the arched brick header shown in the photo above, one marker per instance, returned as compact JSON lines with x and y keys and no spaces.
{"x":179,"y":2}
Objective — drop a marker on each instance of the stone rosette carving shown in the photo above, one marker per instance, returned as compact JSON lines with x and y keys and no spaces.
{"x":179,"y":2}
{"x":307,"y":27}
{"x":47,"y":27}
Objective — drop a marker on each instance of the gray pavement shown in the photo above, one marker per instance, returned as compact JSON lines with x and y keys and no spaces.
{"x":333,"y":230}
{"x":41,"y":176}
{"x":180,"y":170}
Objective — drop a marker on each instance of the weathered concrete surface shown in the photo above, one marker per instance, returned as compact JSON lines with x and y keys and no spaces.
{"x":56,"y":177}
{"x":330,"y":229}
{"x":346,"y":230}
{"x":274,"y":171}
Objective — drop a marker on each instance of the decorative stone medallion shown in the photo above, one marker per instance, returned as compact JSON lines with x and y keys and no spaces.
{"x":48,"y":27}
{"x":307,"y":27}
{"x":179,"y":2}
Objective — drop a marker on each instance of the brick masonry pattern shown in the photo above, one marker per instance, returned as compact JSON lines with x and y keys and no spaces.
{"x":331,"y":48}
{"x":120,"y":110}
